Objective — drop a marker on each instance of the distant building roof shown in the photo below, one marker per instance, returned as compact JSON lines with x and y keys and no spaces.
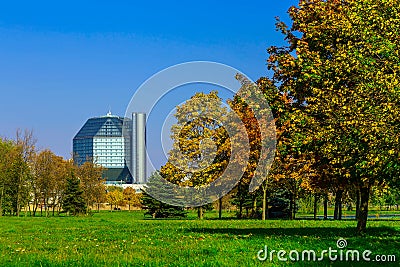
{"x":107,"y":126}
{"x":118,"y":175}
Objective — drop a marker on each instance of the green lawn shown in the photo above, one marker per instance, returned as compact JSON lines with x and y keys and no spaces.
{"x":129,"y":239}
{"x":376,"y":213}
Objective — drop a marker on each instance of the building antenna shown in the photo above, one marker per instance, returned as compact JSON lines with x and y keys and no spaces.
{"x":109,"y":111}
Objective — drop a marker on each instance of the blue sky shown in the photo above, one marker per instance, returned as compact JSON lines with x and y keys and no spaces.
{"x":62,"y":63}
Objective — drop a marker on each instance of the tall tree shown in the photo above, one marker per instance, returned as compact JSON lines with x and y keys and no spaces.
{"x":10,"y":163}
{"x":342,"y":64}
{"x":60,"y":172}
{"x":45,"y":169}
{"x":242,"y":198}
{"x":73,"y":201}
{"x":25,"y":144}
{"x":199,"y":154}
{"x":90,"y":175}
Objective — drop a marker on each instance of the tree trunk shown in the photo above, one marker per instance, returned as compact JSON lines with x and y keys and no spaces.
{"x":46,"y":208}
{"x":26,"y":211}
{"x":294,"y":207}
{"x":18,"y":192}
{"x":338,"y":204}
{"x":265,"y":204}
{"x":254,"y":209}
{"x":357,"y":202}
{"x":326,"y":206}
{"x":200,"y":213}
{"x":34,"y":208}
{"x":220,"y":208}
{"x":240,"y":210}
{"x":18,"y":205}
{"x":316,"y":198}
{"x":363,"y":213}
{"x":1,"y":200}
{"x":291,"y":207}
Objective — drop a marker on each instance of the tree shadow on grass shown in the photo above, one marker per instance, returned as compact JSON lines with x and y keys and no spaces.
{"x":380,"y":240}
{"x":321,"y":232}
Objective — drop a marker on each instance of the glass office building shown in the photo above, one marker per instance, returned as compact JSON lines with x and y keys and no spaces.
{"x":116,"y":143}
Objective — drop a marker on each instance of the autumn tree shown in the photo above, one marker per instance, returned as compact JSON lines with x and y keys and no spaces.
{"x":60,"y":172}
{"x":29,"y":179}
{"x":48,"y":180}
{"x":115,"y":197}
{"x":92,"y":183}
{"x":25,"y":148}
{"x":342,"y":64}
{"x":131,"y":197}
{"x":281,"y":131}
{"x":291,"y":169}
{"x":200,"y":152}
{"x":242,"y":198}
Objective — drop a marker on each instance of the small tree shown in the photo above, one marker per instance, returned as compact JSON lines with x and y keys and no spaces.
{"x":115,"y":197}
{"x":131,"y":197}
{"x":73,"y":201}
{"x":156,"y":208}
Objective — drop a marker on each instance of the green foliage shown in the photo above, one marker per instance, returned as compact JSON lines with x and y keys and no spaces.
{"x":14,"y":175}
{"x":73,"y":201}
{"x":342,"y":70}
{"x":156,"y":208}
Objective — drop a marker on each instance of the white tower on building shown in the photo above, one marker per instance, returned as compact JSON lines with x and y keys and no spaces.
{"x":138,"y":156}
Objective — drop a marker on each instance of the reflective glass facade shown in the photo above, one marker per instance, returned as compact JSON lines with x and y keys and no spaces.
{"x":109,"y":151}
{"x":104,"y":141}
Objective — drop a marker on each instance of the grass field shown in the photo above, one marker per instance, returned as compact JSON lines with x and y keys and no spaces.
{"x":129,"y":239}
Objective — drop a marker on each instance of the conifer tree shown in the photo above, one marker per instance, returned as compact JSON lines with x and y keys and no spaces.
{"x":156,"y":208}
{"x":73,"y":201}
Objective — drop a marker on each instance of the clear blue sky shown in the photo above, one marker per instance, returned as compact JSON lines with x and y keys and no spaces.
{"x":62,"y":63}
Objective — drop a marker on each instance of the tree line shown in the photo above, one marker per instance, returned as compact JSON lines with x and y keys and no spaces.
{"x":42,"y":182}
{"x":334,"y":95}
